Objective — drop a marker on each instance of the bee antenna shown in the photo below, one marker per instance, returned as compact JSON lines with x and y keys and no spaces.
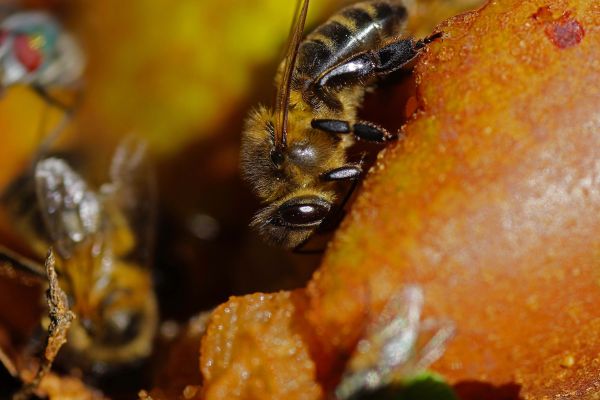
{"x":283,"y":95}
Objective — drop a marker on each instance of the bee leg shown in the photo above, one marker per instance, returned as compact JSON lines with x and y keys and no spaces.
{"x":11,"y":382}
{"x":425,"y":41}
{"x":300,"y":249}
{"x":48,"y":98}
{"x":18,"y":267}
{"x":345,"y":173}
{"x":331,"y":125}
{"x":8,"y":364}
{"x":48,"y":138}
{"x":372,"y":133}
{"x":362,"y":130}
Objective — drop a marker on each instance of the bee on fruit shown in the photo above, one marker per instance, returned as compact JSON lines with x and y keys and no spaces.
{"x":293,"y":156}
{"x":102,"y":241}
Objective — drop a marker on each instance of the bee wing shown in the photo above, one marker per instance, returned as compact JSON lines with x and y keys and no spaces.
{"x":283,"y":92}
{"x":131,"y":193}
{"x":71,"y":211}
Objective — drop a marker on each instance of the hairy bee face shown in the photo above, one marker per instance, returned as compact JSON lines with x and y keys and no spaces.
{"x":119,"y":334}
{"x":258,"y":160}
{"x":290,"y":179}
{"x":275,"y":173}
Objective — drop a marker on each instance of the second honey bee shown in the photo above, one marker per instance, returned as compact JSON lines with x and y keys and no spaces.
{"x":294,"y":155}
{"x":102,"y":240}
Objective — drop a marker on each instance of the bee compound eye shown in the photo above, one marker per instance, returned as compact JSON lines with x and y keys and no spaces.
{"x":302,"y":214}
{"x":277,"y":157}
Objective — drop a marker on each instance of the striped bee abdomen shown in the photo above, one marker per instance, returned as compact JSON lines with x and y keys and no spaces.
{"x":359,"y":27}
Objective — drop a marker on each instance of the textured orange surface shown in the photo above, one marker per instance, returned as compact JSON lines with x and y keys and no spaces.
{"x":55,"y":387}
{"x":255,"y":349}
{"x":491,"y":204}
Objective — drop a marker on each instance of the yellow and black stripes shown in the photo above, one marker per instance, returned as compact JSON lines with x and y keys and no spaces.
{"x":362,"y":26}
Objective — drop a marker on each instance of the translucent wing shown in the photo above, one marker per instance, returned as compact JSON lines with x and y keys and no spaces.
{"x":130,"y":199}
{"x":283,"y":92}
{"x":71,"y":211}
{"x":396,"y":345}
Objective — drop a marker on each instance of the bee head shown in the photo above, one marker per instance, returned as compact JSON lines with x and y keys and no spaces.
{"x":275,"y":172}
{"x":120,"y":330}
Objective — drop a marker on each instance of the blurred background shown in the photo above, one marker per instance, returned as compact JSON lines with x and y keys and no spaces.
{"x":183,"y":75}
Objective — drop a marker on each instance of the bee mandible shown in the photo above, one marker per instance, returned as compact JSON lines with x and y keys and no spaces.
{"x":294,"y":155}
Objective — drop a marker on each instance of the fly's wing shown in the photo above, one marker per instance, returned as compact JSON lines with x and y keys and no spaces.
{"x":71,"y":211}
{"x":433,"y":339}
{"x":396,"y":345}
{"x":386,"y":346}
{"x":283,"y":92}
{"x":130,"y":198}
{"x":398,"y":327}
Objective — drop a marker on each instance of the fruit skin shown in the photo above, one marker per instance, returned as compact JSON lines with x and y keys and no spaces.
{"x":491,"y":204}
{"x":255,"y":348}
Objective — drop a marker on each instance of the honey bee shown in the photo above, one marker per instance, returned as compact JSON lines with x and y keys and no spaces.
{"x":35,"y":50}
{"x":294,"y":155}
{"x":396,"y":346}
{"x":102,"y":240}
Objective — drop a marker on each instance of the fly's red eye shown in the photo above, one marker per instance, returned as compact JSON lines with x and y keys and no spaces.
{"x":27,"y":53}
